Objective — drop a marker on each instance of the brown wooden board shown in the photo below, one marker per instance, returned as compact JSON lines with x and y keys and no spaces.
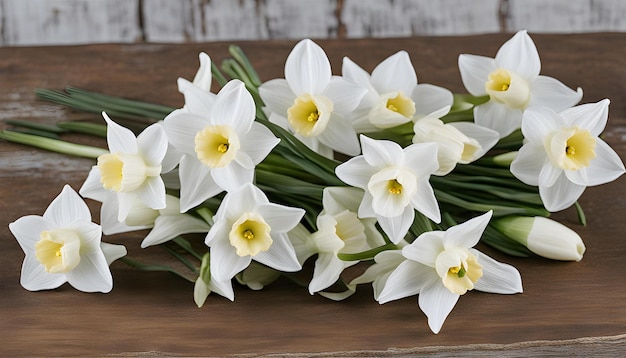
{"x":565,"y":307}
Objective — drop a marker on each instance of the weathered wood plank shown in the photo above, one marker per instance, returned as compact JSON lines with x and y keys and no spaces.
{"x":566,"y":16}
{"x":36,"y":22}
{"x":391,"y":18}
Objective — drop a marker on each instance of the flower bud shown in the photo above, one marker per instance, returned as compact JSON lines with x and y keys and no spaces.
{"x":543,"y":236}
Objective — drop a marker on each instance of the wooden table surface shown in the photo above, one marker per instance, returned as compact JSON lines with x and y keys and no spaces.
{"x":565,"y":308}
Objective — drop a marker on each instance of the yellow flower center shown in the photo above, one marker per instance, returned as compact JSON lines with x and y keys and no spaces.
{"x":394,"y":187}
{"x":216,"y":146}
{"x":58,"y":250}
{"x":459,"y":269}
{"x":309,"y":115}
{"x":571,"y":148}
{"x":124,"y":172}
{"x":508,"y":88}
{"x":401,"y":104}
{"x":250,"y":234}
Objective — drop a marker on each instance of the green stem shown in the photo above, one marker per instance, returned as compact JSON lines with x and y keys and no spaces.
{"x":53,"y":145}
{"x":367,"y":255}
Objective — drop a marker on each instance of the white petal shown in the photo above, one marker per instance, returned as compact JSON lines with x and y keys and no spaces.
{"x":92,"y":186}
{"x":425,"y":202}
{"x":381,"y":153}
{"x":425,"y":248}
{"x":119,"y":139}
{"x":258,"y":142}
{"x":225,"y":263}
{"x":353,"y":72}
{"x":396,"y":227}
{"x":328,"y":268}
{"x":549,"y":174}
{"x":35,"y":278}
{"x":280,"y":256}
{"x":202,"y":79}
{"x":90,"y":235}
{"x":152,"y":144}
{"x":112,"y":252}
{"x":498,"y":117}
{"x":421,"y":158}
{"x":475,"y":72}
{"x":152,"y":193}
{"x":355,"y":172}
{"x":429,"y":98}
{"x":182,"y":127}
{"x":528,"y":164}
{"x":27,"y":231}
{"x":467,"y":234}
{"x":366,"y":209}
{"x":247,"y":198}
{"x":234,"y":107}
{"x":223,"y":288}
{"x":196,"y":183}
{"x":538,"y":123}
{"x":125,"y":202}
{"x":197,"y":100}
{"x":280,"y":218}
{"x":406,"y":280}
{"x":497,"y":277}
{"x":337,"y":199}
{"x":561,"y":195}
{"x":344,"y":94}
{"x":340,"y":136}
{"x":436,"y":301}
{"x":520,"y":55}
{"x":168,"y":227}
{"x":277,"y":95}
{"x":307,"y":69}
{"x":109,"y":222}
{"x":590,"y":116}
{"x":606,"y":166}
{"x":92,"y":274}
{"x":395,"y":73}
{"x":549,"y":92}
{"x":486,"y":137}
{"x":232,"y":176}
{"x":67,"y":208}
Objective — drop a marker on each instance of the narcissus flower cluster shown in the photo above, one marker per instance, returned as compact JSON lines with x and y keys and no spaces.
{"x":260,"y":179}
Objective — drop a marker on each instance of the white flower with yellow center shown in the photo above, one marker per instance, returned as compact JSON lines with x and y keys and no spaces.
{"x":395,"y":181}
{"x":312,"y":103}
{"x":513,"y":84}
{"x":221,"y":144}
{"x":393,"y":95}
{"x":64,"y":245}
{"x":340,"y":230}
{"x":564,"y":154}
{"x":441,"y":266}
{"x":131,"y":170}
{"x":248,"y":227}
{"x":458,"y":142}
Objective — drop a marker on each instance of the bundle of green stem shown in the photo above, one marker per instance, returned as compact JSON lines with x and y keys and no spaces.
{"x":295,"y":175}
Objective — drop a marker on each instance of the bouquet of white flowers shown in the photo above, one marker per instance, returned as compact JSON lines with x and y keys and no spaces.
{"x":329,"y":171}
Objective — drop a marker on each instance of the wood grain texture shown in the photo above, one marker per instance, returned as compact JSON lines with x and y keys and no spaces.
{"x":566,"y":308}
{"x":394,"y":18}
{"x":566,"y":16}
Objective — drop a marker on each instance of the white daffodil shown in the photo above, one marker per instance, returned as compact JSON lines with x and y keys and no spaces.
{"x":442,"y":265}
{"x":457,"y":142}
{"x":64,"y":245}
{"x":393,"y":95}
{"x":395,"y":181}
{"x":221,"y":145}
{"x":131,"y":170}
{"x":340,"y":230}
{"x":513,"y":84}
{"x":248,"y":227}
{"x":545,"y":237}
{"x":564,"y":154}
{"x":313,"y":104}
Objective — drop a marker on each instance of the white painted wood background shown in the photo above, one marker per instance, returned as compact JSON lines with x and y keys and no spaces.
{"x":52,"y":22}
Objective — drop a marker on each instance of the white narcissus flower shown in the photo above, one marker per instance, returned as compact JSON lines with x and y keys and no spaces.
{"x":513,"y":84}
{"x":395,"y":181}
{"x":131,"y":170}
{"x":545,"y":237}
{"x":457,"y":142}
{"x":221,"y":144}
{"x":312,"y":103}
{"x":248,"y":227}
{"x":564,"y":154}
{"x":340,"y":230}
{"x":393,"y":95}
{"x":64,"y":245}
{"x":441,"y":266}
